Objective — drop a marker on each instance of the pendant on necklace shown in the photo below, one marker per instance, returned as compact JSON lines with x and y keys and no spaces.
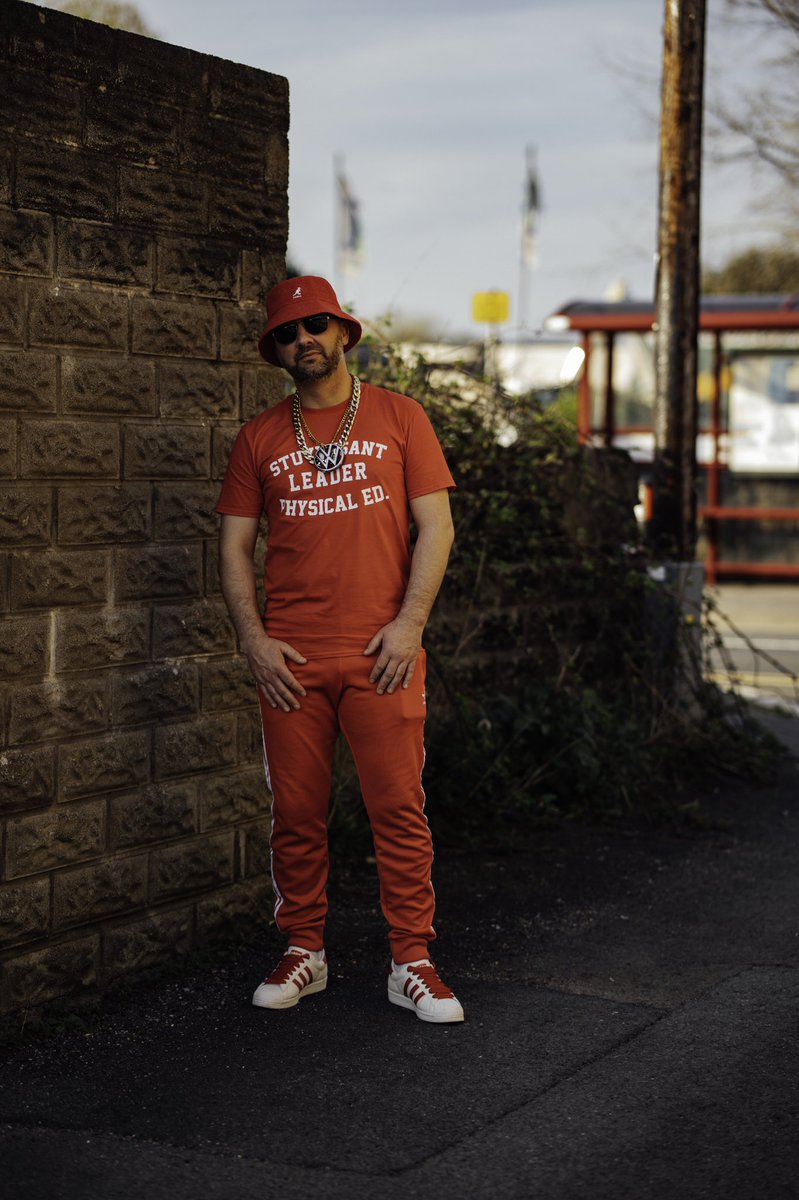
{"x":327,"y":458}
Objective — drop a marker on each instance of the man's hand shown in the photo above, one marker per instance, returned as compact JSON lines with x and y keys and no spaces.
{"x":399,"y":644}
{"x":267,"y":658}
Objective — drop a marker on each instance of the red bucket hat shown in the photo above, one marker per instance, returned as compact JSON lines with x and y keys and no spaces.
{"x":302,"y":296}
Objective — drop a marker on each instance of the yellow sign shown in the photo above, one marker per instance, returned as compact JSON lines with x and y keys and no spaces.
{"x":490,"y":308}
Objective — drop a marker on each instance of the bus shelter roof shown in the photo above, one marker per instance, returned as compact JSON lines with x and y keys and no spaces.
{"x":715,"y":313}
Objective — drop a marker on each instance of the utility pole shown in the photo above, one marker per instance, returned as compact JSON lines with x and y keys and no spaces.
{"x":672,"y":528}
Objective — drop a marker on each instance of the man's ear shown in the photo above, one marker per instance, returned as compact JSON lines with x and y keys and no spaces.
{"x":345,"y":325}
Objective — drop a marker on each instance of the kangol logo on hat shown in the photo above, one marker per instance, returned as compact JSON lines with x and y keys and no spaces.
{"x":299,"y":297}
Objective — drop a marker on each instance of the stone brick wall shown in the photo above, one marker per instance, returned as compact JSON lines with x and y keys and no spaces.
{"x":143,"y":214}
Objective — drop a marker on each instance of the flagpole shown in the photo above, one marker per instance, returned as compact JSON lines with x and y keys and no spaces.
{"x":527,"y":240}
{"x":347,"y":252}
{"x":521,"y":306}
{"x":338,"y":172}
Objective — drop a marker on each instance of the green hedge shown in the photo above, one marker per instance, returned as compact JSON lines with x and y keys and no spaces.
{"x":558,"y":684}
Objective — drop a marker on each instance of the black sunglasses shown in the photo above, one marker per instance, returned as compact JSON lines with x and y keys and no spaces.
{"x":284,"y":335}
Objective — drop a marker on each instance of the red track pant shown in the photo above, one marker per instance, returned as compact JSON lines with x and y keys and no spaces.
{"x":385,"y":734}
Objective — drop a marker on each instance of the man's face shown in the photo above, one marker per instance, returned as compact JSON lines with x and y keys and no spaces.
{"x":313,"y":356}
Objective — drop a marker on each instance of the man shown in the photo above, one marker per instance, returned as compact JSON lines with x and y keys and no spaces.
{"x":339,"y":468}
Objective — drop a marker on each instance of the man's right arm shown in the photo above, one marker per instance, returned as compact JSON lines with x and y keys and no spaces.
{"x":267,"y":657}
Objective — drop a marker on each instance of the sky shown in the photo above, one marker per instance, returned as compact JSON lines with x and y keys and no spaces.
{"x":431,"y":104}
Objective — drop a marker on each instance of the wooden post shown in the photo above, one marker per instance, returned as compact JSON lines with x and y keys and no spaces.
{"x":673,"y":526}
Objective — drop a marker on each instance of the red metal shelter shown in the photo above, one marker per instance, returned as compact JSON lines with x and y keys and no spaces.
{"x":719,"y":315}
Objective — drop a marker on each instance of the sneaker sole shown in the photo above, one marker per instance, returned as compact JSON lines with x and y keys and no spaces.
{"x":318,"y":986}
{"x":404,"y":1002}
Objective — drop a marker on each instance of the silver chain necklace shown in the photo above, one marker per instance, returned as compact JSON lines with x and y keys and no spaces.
{"x":326,"y":456}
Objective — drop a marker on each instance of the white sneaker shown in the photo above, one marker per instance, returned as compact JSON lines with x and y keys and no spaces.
{"x":417,"y":985}
{"x":299,"y":973}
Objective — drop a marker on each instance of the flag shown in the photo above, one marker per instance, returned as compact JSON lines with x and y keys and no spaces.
{"x":531,"y":208}
{"x":349,"y":237}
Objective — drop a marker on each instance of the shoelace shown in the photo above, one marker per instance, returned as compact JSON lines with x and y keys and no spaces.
{"x":291,"y":962}
{"x":427,"y":975}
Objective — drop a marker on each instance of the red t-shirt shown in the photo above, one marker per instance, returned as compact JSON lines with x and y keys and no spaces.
{"x":338,"y":552}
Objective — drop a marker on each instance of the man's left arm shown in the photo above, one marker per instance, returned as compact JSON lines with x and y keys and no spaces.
{"x":400,"y":641}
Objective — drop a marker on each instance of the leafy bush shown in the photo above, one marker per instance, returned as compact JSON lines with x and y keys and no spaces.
{"x":558,"y":681}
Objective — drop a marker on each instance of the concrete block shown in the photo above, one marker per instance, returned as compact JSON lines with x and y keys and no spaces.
{"x":4,"y":568}
{"x":103,"y":253}
{"x":50,"y":974}
{"x":158,"y":571}
{"x":87,"y":449}
{"x":8,"y":447}
{"x":7,"y":151}
{"x":104,"y":764}
{"x":192,"y":866}
{"x":188,"y":748}
{"x":46,"y":40}
{"x":250,"y":736}
{"x":25,"y":242}
{"x":112,"y":384}
{"x":180,"y":328}
{"x":24,"y":911}
{"x":66,"y":834}
{"x":154,"y":693}
{"x":256,"y":217}
{"x":27,"y":381}
{"x":90,"y":638}
{"x":239,"y":331}
{"x":25,"y":515}
{"x":277,"y":161}
{"x":57,"y":708}
{"x":66,"y":181}
{"x":187,"y":389}
{"x":133,"y":948}
{"x":51,"y":578}
{"x":246,"y":94}
{"x":201,"y":627}
{"x":12,"y":310}
{"x":27,"y":778}
{"x":231,"y":912}
{"x":88,"y":894}
{"x":222,"y":441}
{"x":153,"y":814}
{"x":212,"y":144}
{"x":259,"y":273}
{"x":156,"y":70}
{"x":212,"y":584}
{"x":119,"y":513}
{"x":36,"y":100}
{"x":166,"y":451}
{"x":255,"y":853}
{"x":126,"y":125}
{"x":185,"y":511}
{"x":233,"y":797}
{"x":66,"y":315}
{"x":24,"y":646}
{"x":198,"y":267}
{"x":162,"y":199}
{"x":227,"y":683}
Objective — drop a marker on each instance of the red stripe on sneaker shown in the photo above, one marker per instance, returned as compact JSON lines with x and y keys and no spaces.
{"x":288,"y":968}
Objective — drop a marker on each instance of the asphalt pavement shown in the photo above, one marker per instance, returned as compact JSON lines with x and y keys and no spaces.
{"x":632,"y":1031}
{"x":759,"y":628}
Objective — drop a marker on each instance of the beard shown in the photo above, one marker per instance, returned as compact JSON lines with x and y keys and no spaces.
{"x":322,"y":366}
